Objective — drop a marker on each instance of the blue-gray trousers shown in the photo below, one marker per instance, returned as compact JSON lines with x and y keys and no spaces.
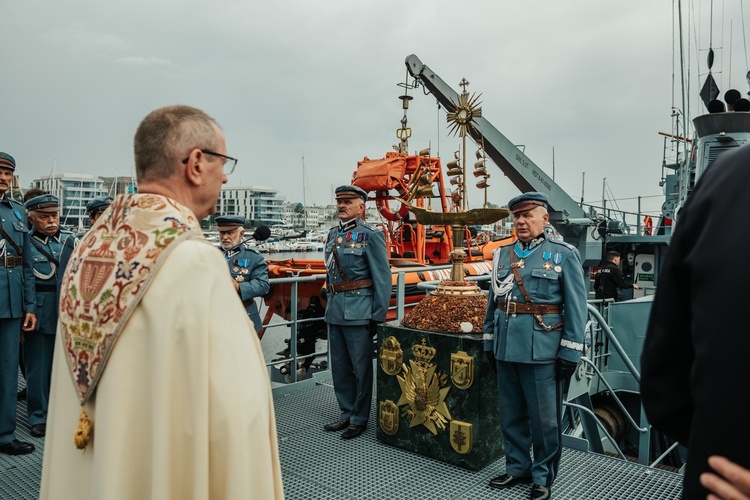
{"x":38,"y":349}
{"x":10,"y":333}
{"x":351,"y":367}
{"x":530,"y":400}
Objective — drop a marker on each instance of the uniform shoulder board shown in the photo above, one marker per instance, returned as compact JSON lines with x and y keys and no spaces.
{"x":16,"y":202}
{"x":552,"y":233}
{"x":254,"y":250}
{"x":562,"y":242}
{"x":510,"y":243}
{"x":368,"y":226}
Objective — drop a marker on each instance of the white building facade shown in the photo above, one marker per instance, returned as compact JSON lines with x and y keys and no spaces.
{"x":259,"y":205}
{"x":74,"y":191}
{"x":315,"y":217}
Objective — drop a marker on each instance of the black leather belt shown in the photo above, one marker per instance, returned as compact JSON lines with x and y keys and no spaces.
{"x":11,"y":261}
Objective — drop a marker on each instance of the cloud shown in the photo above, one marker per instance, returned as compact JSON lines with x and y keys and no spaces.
{"x":318,"y":78}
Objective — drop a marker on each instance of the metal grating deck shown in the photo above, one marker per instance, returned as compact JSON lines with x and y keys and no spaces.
{"x":20,"y":475}
{"x":319,"y":465}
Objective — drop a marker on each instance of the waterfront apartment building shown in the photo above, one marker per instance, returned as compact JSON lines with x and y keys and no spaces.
{"x":119,"y":185}
{"x":74,"y":191}
{"x":313,"y":217}
{"x":259,"y":205}
{"x":301,"y":217}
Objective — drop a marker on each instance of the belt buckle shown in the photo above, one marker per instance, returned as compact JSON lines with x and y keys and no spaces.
{"x":510,"y":308}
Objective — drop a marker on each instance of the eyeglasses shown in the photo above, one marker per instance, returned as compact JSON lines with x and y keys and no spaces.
{"x":229,"y":162}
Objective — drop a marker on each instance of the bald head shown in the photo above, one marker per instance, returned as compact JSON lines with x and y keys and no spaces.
{"x":166,"y":135}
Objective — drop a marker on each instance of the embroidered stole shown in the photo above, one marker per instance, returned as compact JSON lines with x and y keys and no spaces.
{"x":108,"y":274}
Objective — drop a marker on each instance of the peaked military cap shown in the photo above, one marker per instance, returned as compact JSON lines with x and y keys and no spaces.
{"x":344,"y":192}
{"x":7,"y":161}
{"x":98,"y":204}
{"x":528,"y":201}
{"x":229,"y":222}
{"x":44,"y":203}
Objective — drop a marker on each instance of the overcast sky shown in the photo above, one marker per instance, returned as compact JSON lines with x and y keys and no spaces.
{"x":595,"y":80}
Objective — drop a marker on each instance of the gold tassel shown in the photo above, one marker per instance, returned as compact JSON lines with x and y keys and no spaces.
{"x":84,"y":430}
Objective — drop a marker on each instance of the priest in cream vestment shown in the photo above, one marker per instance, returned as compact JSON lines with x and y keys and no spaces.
{"x":159,"y":386}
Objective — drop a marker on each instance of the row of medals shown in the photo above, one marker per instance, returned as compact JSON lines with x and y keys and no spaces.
{"x":359,"y":242}
{"x":547,"y":265}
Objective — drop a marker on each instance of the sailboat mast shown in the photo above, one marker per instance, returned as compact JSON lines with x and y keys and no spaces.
{"x":304,"y":203}
{"x":304,"y":199}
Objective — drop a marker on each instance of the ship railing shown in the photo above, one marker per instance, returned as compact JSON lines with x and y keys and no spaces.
{"x":593,"y":418}
{"x":597,"y":310}
{"x":590,"y":365}
{"x":295,"y":322}
{"x":632,"y":222}
{"x":599,"y":322}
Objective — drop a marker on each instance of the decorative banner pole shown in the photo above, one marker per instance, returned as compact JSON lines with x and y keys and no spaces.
{"x":457,"y":305}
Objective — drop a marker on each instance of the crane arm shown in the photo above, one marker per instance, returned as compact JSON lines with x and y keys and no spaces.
{"x":522,"y":172}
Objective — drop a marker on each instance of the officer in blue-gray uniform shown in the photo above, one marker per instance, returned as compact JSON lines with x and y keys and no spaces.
{"x":246,"y":265}
{"x":50,"y":249}
{"x":16,"y":303}
{"x":97,"y":206}
{"x":358,"y":291}
{"x":534,"y":334}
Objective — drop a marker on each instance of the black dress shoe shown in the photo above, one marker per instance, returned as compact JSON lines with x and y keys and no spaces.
{"x":353,"y":431}
{"x":17,"y":447}
{"x":539,"y":492}
{"x":38,"y":430}
{"x":337,"y":425}
{"x":21,"y":395}
{"x":506,"y":481}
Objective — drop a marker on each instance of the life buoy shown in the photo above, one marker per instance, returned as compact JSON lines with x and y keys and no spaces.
{"x":381,"y":201}
{"x":648,"y":225}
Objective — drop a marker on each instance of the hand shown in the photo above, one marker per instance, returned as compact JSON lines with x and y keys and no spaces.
{"x":565,"y":369}
{"x":636,"y":287}
{"x":373,"y":327}
{"x":490,"y":356}
{"x":29,"y":322}
{"x":732,"y":480}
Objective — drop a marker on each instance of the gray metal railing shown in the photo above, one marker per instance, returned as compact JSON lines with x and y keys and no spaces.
{"x":594,"y":368}
{"x":294,"y":322}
